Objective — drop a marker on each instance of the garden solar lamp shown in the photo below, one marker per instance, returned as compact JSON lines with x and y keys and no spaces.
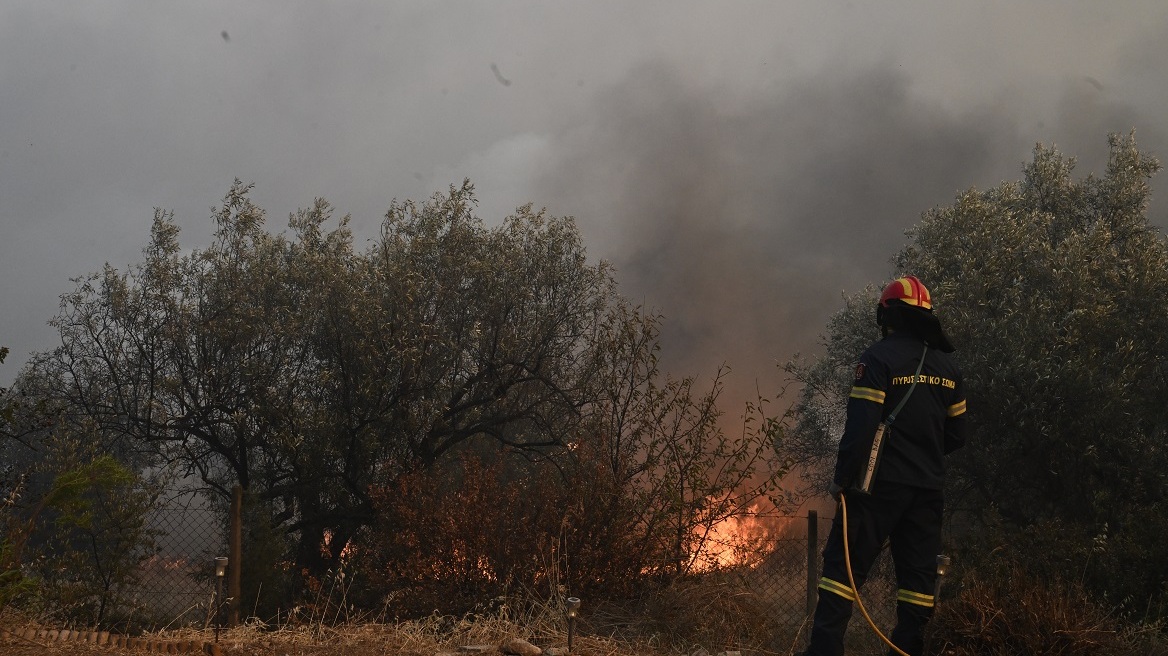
{"x":943,"y":563}
{"x":573,"y":610}
{"x":220,"y":573}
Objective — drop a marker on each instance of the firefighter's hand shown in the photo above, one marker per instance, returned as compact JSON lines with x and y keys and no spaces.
{"x":834,"y":490}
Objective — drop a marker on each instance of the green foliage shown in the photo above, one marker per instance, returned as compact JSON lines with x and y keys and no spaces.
{"x":311,"y":372}
{"x":88,"y":561}
{"x":81,"y":540}
{"x":71,"y":492}
{"x":1053,"y":290}
{"x":306,"y":371}
{"x":267,"y":577}
{"x":1056,"y":289}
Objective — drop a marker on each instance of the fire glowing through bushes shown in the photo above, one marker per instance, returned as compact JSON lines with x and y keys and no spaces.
{"x":739,"y":541}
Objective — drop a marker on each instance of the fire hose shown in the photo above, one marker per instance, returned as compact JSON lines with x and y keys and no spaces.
{"x":852,"y":580}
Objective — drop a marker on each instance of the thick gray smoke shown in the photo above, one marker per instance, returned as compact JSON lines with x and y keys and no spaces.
{"x":743,"y":220}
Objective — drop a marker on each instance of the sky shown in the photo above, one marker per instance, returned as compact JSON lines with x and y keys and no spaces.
{"x":741,"y":164}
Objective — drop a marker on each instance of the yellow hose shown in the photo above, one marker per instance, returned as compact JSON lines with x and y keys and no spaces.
{"x":852,"y":581}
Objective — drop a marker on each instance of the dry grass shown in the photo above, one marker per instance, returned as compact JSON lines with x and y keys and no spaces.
{"x":540,"y":624}
{"x":692,"y":615}
{"x":1014,"y":613}
{"x":1005,"y":615}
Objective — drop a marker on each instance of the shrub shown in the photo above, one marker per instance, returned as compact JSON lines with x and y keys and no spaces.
{"x":452,"y":539}
{"x":1011,"y":611}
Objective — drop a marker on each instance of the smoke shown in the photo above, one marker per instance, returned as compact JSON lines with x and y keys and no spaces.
{"x":743,"y":220}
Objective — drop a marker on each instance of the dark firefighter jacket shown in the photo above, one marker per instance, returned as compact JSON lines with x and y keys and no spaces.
{"x":929,"y":426}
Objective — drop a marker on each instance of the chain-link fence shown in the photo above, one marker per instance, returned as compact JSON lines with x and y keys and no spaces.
{"x":176,"y":583}
{"x":785,"y":578}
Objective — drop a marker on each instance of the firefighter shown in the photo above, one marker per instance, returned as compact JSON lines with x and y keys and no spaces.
{"x":905,"y":500}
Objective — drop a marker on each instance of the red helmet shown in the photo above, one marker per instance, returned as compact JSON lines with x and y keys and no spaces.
{"x":906,"y":304}
{"x":908,"y":290}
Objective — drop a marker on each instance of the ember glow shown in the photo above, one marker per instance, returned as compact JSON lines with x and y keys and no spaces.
{"x":739,"y":541}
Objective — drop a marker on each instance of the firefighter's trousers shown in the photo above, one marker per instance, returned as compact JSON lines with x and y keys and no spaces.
{"x":909,"y":518}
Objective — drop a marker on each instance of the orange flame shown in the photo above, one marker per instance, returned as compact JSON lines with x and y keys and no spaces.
{"x":736,"y":541}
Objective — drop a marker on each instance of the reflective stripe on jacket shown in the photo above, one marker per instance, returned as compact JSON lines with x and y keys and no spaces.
{"x":929,"y":426}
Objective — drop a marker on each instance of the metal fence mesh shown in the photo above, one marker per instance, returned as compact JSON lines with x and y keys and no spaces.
{"x":779,"y":579}
{"x":176,"y":583}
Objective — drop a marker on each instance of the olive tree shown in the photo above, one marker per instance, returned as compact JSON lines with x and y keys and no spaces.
{"x":304,"y":370}
{"x":443,"y":332}
{"x":312,"y":373}
{"x":1054,"y":290}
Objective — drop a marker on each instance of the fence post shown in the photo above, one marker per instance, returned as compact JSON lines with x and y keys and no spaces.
{"x":235,"y":547}
{"x":812,"y":560}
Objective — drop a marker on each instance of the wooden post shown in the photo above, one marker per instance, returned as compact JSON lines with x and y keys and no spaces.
{"x":812,"y":560}
{"x":235,"y":548}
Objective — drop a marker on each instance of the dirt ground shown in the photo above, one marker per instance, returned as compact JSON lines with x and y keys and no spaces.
{"x":250,"y":648}
{"x":252,"y":645}
{"x":355,"y":641}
